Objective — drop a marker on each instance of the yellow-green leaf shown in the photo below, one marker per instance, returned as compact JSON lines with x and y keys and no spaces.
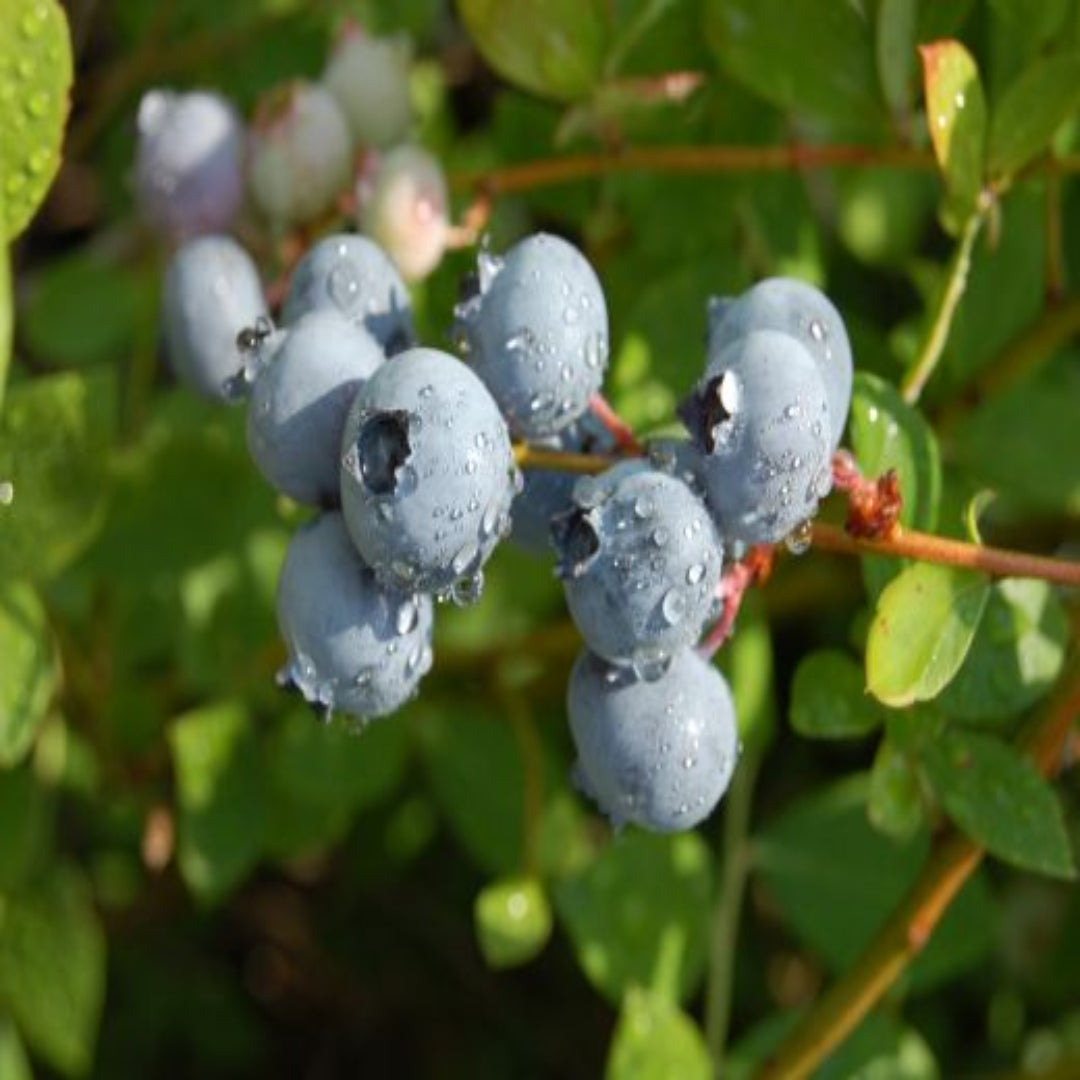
{"x":513,"y":921}
{"x":921,"y":632}
{"x":956,"y":117}
{"x":35,"y":81}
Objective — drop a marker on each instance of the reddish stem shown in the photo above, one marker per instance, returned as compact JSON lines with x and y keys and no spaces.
{"x":754,"y":569}
{"x":620,"y":430}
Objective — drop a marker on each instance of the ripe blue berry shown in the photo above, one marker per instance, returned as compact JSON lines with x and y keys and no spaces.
{"x":300,"y":153}
{"x":354,"y":645}
{"x":536,"y":332}
{"x":760,"y":418}
{"x":305,"y":380}
{"x":369,"y":76}
{"x":807,"y":314}
{"x":657,"y":754}
{"x":547,"y":492}
{"x":352,"y":275}
{"x":211,"y":294}
{"x":427,"y":474}
{"x":640,"y":561}
{"x":403,"y":206}
{"x":188,"y":162}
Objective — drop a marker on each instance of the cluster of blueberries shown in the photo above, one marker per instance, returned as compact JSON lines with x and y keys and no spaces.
{"x":408,"y":453}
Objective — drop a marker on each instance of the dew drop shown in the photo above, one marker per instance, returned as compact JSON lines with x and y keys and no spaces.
{"x":643,"y":507}
{"x":695,"y":574}
{"x":798,"y":540}
{"x":408,"y":615}
{"x":464,"y":558}
{"x":468,"y":589}
{"x":343,"y":285}
{"x":650,"y":662}
{"x":673,"y":607}
{"x":660,"y":536}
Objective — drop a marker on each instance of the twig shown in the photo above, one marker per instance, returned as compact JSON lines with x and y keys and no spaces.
{"x":937,"y":334}
{"x":907,"y":543}
{"x":952,"y":861}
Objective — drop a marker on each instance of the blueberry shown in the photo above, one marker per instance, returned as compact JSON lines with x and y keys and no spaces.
{"x":354,"y":645}
{"x":299,"y":153}
{"x":640,"y":561}
{"x":536,"y":331}
{"x":305,"y":382}
{"x":427,"y":473}
{"x":369,"y":76}
{"x":403,"y":205}
{"x":657,"y":754}
{"x":760,"y":419}
{"x":189,"y":159}
{"x":547,"y":492}
{"x":353,"y":275}
{"x":211,"y":295}
{"x":805,"y":313}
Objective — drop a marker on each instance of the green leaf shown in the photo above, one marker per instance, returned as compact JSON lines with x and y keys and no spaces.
{"x":28,"y":674}
{"x":638,"y":915}
{"x":80,"y":310}
{"x":836,"y":880}
{"x":554,"y":48}
{"x":477,"y":776}
{"x":1000,"y":800}
{"x":35,"y":80}
{"x":14,"y":1064}
{"x":922,"y":629}
{"x":25,"y":827}
{"x":956,"y":117}
{"x":896,"y":30}
{"x":1017,"y":654}
{"x":655,"y":1040}
{"x":52,"y":969}
{"x":829,"y":698}
{"x":219,"y":789}
{"x":887,"y":433}
{"x":1031,"y":110}
{"x":894,"y":805}
{"x":816,"y":56}
{"x":55,"y":435}
{"x":747,"y":661}
{"x":513,"y":921}
{"x":7,"y":302}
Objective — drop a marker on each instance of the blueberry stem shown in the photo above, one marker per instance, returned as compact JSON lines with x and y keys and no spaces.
{"x":951,"y":862}
{"x":534,"y":457}
{"x":623,"y":434}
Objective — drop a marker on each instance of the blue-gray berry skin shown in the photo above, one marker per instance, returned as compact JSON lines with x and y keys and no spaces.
{"x":427,"y":474}
{"x":547,"y":492}
{"x":354,"y":646}
{"x":211,"y":293}
{"x":352,"y":275}
{"x":536,"y":332}
{"x":305,"y":382}
{"x":761,"y":421}
{"x":657,"y":754}
{"x":807,"y":314}
{"x":189,"y":162}
{"x":640,"y":560}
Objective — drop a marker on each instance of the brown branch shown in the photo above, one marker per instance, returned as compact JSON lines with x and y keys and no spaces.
{"x":528,"y":175}
{"x":907,"y":543}
{"x":951,"y":862}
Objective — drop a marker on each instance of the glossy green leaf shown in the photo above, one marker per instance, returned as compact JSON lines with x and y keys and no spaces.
{"x":638,"y":915}
{"x":52,"y":969}
{"x":1017,"y":654}
{"x":655,"y":1040}
{"x":836,"y":880}
{"x":513,"y":921}
{"x":28,"y":673}
{"x":816,"y":56}
{"x":554,"y":48}
{"x":922,"y":629}
{"x":956,"y":117}
{"x":1000,"y":800}
{"x":894,"y":804}
{"x":1031,"y":110}
{"x":829,"y":698}
{"x":887,"y":433}
{"x":35,"y":80}
{"x":222,"y":802}
{"x":55,"y":436}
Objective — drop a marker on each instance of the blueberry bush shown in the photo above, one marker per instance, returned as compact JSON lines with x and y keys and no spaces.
{"x":539,"y":539}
